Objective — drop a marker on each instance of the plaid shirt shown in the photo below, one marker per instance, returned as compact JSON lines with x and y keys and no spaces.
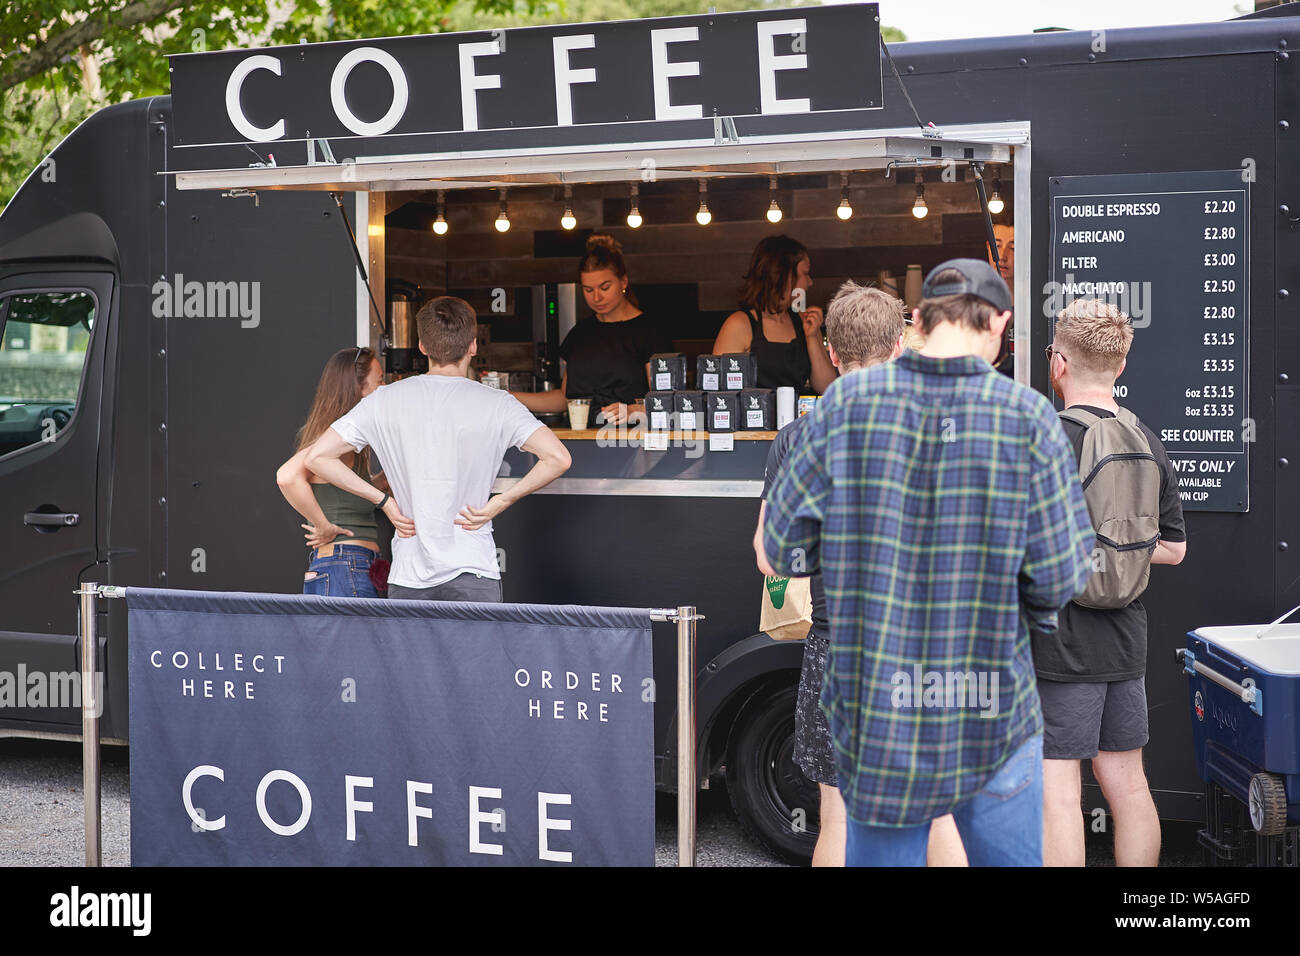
{"x":941,"y":501}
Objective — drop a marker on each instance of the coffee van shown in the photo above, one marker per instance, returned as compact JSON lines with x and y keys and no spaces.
{"x":174,"y":275}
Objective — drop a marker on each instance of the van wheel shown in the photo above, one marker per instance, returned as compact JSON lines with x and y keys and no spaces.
{"x":774,"y":802}
{"x":1266,"y":798}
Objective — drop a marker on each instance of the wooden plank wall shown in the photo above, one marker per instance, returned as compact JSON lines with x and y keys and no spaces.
{"x":685,"y":274}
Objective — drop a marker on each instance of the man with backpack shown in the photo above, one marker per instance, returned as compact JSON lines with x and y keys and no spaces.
{"x":1091,"y":671}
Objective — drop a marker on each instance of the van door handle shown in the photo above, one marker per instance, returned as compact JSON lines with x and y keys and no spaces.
{"x":54,"y":520}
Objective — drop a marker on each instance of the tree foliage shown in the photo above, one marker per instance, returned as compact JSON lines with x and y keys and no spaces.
{"x":60,"y":60}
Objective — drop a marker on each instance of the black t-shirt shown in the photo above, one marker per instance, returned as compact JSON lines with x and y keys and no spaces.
{"x":607,"y":360}
{"x":776,"y":455}
{"x":1095,"y":645}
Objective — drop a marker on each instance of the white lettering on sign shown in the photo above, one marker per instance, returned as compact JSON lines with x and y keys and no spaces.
{"x":566,"y":76}
{"x":235,"y":86}
{"x":546,"y":823}
{"x":303,"y":793}
{"x":471,"y":82}
{"x":769,"y":62}
{"x":352,"y":804}
{"x":205,"y":770}
{"x":338,"y":85}
{"x":415,"y":811}
{"x":664,"y":71}
{"x":477,"y":818}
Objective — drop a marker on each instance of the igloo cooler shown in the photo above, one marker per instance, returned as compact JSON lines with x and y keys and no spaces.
{"x":1244,"y":691}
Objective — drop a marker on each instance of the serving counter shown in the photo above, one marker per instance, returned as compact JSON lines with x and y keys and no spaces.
{"x":635,"y":528}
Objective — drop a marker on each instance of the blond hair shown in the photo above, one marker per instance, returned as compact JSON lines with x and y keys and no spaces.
{"x":1095,"y":336}
{"x":863,"y":324}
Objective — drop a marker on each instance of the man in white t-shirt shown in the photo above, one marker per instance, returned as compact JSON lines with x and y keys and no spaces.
{"x":441,"y":437}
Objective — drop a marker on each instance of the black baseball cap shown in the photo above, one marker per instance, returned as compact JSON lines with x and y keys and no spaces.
{"x":978,"y":279}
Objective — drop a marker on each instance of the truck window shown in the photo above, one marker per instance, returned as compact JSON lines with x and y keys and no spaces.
{"x":43,"y":343}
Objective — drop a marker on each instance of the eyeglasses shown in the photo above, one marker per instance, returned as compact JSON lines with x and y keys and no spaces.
{"x":356,"y":359}
{"x":1050,"y":351}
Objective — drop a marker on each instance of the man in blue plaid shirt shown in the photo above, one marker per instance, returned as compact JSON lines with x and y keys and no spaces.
{"x":941,"y":501}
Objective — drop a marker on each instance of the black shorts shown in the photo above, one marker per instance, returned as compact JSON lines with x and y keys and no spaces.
{"x":812,"y":733}
{"x":1081,"y":719}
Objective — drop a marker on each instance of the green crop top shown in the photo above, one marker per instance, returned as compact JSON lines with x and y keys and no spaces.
{"x":347,"y":511}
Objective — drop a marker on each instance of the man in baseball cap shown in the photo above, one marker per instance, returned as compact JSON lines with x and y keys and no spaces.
{"x":940,"y":500}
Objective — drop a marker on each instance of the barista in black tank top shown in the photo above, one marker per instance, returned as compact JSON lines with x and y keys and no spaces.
{"x":787,"y":346}
{"x":779,"y":363}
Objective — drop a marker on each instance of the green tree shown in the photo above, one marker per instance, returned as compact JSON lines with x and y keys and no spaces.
{"x":60,"y":60}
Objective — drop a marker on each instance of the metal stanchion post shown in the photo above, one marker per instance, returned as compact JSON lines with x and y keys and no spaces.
{"x":686,"y":736}
{"x":89,"y":720}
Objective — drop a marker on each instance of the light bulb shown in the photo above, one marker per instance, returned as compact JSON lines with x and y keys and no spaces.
{"x":773,"y":209}
{"x":996,"y":205}
{"x":503,"y":217}
{"x":567,"y":220}
{"x":634,"y":218}
{"x":704,"y":217}
{"x":919,"y":208}
{"x":844,"y":211}
{"x":440,"y":224}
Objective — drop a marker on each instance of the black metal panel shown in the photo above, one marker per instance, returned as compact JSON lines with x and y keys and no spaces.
{"x":238,"y":389}
{"x":640,"y":552}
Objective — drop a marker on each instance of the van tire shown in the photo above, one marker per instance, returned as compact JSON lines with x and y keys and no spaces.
{"x":766,"y":787}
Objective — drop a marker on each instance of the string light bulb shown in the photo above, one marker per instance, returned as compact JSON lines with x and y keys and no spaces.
{"x":634,"y":214}
{"x":844,"y":210}
{"x":440,"y":224}
{"x":774,"y":208}
{"x":919,"y":209}
{"x":503,"y":215}
{"x":568,"y":220}
{"x":996,"y":205}
{"x":704,"y":217}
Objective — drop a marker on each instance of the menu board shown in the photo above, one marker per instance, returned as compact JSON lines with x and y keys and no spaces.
{"x":1170,"y":249}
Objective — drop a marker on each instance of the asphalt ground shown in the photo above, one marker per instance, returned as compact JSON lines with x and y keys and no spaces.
{"x":41,"y":817}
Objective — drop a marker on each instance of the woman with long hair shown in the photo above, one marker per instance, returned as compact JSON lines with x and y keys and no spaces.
{"x":338,"y":568}
{"x":606,"y":356}
{"x":773,"y":324}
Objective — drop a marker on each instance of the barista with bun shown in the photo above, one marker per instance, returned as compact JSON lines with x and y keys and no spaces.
{"x":607,"y":355}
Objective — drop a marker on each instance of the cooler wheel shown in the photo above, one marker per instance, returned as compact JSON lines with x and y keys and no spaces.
{"x":1267,"y":801}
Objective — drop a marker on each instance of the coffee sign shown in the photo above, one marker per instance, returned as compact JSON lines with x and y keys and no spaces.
{"x":646,"y":72}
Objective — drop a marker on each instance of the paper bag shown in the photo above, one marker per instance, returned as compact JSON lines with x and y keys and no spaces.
{"x":787,"y":608}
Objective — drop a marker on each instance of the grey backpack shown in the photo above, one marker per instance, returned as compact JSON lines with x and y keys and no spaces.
{"x":1121,"y":484}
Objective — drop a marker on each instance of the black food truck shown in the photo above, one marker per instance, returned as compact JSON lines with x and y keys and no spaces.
{"x":175,"y":273}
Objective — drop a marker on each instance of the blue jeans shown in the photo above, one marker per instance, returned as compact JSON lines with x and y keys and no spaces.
{"x":345,"y":573}
{"x":1002,"y":825}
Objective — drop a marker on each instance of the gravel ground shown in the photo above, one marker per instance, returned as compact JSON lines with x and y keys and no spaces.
{"x":41,"y":810}
{"x":41,"y":816}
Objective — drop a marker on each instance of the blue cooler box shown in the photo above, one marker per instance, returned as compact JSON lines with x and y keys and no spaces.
{"x":1244,"y":693}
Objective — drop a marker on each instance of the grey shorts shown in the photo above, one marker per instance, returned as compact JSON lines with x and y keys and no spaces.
{"x":1081,"y":719}
{"x":812,"y":733}
{"x":464,"y":587}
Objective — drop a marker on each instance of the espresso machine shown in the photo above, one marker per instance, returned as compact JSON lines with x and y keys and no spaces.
{"x":404,"y":357}
{"x":554,"y":315}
